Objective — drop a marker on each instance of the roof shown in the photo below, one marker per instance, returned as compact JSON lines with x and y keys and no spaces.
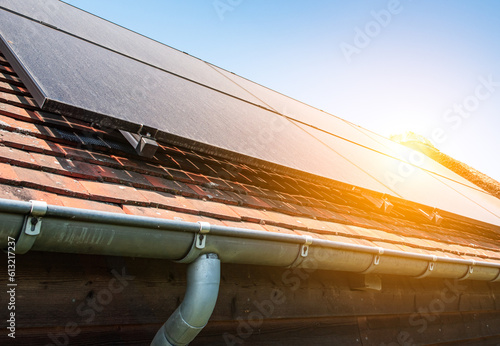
{"x":63,"y":161}
{"x":256,"y":214}
{"x":93,"y":70}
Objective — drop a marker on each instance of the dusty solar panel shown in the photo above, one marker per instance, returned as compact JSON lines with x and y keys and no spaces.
{"x":118,"y":39}
{"x":98,"y":71}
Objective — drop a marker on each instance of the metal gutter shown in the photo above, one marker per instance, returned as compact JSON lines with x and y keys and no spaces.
{"x":41,"y":227}
{"x":73,"y":230}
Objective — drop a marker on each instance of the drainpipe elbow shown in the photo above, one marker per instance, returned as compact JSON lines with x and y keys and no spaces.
{"x":203,"y":279}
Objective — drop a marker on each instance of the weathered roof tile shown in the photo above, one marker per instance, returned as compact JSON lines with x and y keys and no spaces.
{"x":113,"y":193}
{"x":89,"y":204}
{"x":22,"y":141}
{"x":159,"y":199}
{"x":160,"y":213}
{"x":215,"y":210}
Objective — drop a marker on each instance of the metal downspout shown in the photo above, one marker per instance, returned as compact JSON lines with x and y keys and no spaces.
{"x":203,"y":278}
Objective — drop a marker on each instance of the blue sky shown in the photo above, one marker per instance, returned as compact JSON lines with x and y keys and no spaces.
{"x":432,"y":67}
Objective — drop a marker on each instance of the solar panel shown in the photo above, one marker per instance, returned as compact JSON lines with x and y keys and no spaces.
{"x":181,"y":108}
{"x":98,"y":71}
{"x":120,"y":40}
{"x":341,"y":128}
{"x":439,"y":192}
{"x":406,"y":154}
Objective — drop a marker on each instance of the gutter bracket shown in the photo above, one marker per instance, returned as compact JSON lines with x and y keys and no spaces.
{"x":198,"y":244}
{"x":31,"y":228}
{"x":303,"y":251}
{"x":470,"y":270}
{"x":375,"y":262}
{"x":428,"y":271}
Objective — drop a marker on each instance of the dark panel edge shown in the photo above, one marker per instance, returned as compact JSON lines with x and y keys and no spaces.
{"x":100,"y":120}
{"x":23,"y":73}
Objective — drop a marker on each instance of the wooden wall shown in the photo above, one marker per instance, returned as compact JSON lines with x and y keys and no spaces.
{"x":65,"y":299}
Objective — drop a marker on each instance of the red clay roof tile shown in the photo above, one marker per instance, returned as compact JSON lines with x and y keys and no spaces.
{"x":50,"y":182}
{"x":12,"y":89}
{"x":198,"y":178}
{"x":169,"y":214}
{"x":113,"y":193}
{"x":11,"y":124}
{"x":13,"y":192}
{"x":16,"y":100}
{"x":168,"y":201}
{"x":163,"y":184}
{"x":89,"y":204}
{"x":7,"y":69}
{"x":122,"y":177}
{"x":16,"y":157}
{"x":44,"y":196}
{"x":72,"y":168}
{"x":276,"y":229}
{"x":343,"y":239}
{"x":176,"y":174}
{"x":284,"y":220}
{"x":17,"y":112}
{"x":254,"y":202}
{"x":222,"y":196}
{"x":8,"y":174}
{"x":160,"y":213}
{"x":386,"y":245}
{"x":11,"y":79}
{"x":199,"y":190}
{"x":249,"y":214}
{"x":215,"y":210}
{"x":21,"y":141}
{"x":314,"y":225}
{"x":244,"y":225}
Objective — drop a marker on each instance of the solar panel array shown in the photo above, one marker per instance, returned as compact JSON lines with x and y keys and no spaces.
{"x":95,"y":70}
